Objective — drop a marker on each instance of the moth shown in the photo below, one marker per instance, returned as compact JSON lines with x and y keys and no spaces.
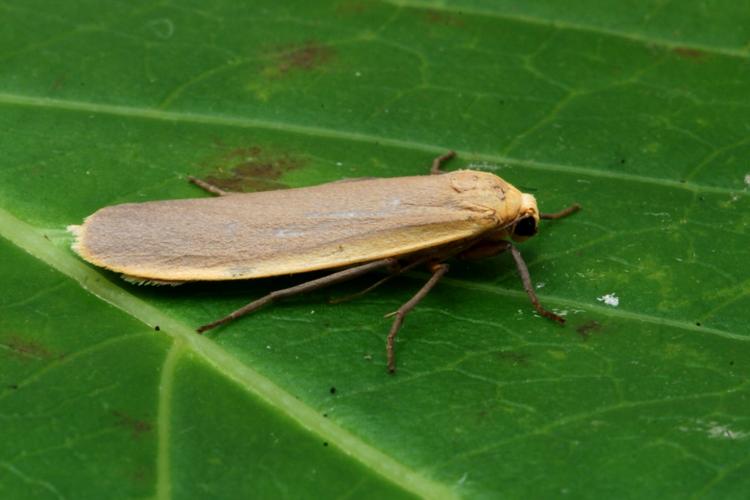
{"x":350,"y":227}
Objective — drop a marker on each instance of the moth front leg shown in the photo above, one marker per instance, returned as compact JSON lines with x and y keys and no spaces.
{"x":488,"y":249}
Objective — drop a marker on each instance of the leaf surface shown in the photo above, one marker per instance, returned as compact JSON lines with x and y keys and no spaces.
{"x":640,"y":113}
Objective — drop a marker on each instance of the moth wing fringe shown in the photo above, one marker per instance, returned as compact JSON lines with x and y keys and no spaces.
{"x":141,"y":281}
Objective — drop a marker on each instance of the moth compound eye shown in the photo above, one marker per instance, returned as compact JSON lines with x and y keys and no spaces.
{"x":525,"y":227}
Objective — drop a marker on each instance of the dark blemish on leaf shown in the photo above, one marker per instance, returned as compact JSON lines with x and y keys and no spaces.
{"x":306,"y":57}
{"x":325,"y":443}
{"x":689,"y":53}
{"x":622,"y":161}
{"x":157,"y":328}
{"x":731,"y":363}
{"x":136,"y":426}
{"x":325,"y":415}
{"x":353,"y":7}
{"x":443,"y":18}
{"x":698,"y":323}
{"x":28,"y":349}
{"x":516,"y":358}
{"x":251,"y":169}
{"x":333,"y":390}
{"x":58,"y":83}
{"x":587,"y":329}
{"x":682,"y":181}
{"x":142,"y":475}
{"x":13,"y":386}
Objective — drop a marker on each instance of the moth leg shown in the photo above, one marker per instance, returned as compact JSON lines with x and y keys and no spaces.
{"x":438,"y":162}
{"x":575,"y":207}
{"x":438,"y":270}
{"x":483,"y":250}
{"x":523,"y":272}
{"x":394,"y":271}
{"x":347,"y":298}
{"x":308,"y":286}
{"x":208,"y":186}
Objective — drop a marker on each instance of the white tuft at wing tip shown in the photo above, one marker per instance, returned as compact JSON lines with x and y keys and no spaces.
{"x":76,"y":231}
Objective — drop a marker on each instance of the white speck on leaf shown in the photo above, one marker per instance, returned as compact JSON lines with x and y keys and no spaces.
{"x":714,"y":430}
{"x":747,"y":180}
{"x":540,"y":285}
{"x":462,"y":479}
{"x":717,"y":431}
{"x":610,"y":299}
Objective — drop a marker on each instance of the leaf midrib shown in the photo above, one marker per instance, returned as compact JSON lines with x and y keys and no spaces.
{"x":331,"y":133}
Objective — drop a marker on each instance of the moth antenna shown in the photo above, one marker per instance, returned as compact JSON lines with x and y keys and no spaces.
{"x":575,"y":207}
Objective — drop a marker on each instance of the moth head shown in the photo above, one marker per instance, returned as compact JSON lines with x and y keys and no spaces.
{"x":526,"y":224}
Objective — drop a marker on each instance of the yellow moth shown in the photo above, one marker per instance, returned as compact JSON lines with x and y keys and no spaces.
{"x":350,"y":227}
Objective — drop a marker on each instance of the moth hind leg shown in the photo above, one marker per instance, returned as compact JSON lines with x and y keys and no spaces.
{"x":308,"y":286}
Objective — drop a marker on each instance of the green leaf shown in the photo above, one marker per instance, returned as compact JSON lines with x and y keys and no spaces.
{"x":639,"y":111}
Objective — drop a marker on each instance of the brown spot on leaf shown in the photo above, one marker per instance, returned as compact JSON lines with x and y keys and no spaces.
{"x":444,"y":18}
{"x":136,"y":426}
{"x":515,"y":358}
{"x":588,"y":328}
{"x":353,"y":7}
{"x":305,"y":57}
{"x":251,"y":169}
{"x":689,"y":53}
{"x":58,"y":83}
{"x":27,"y":349}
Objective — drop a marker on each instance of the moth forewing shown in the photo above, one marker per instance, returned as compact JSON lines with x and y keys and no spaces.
{"x":292,"y":231}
